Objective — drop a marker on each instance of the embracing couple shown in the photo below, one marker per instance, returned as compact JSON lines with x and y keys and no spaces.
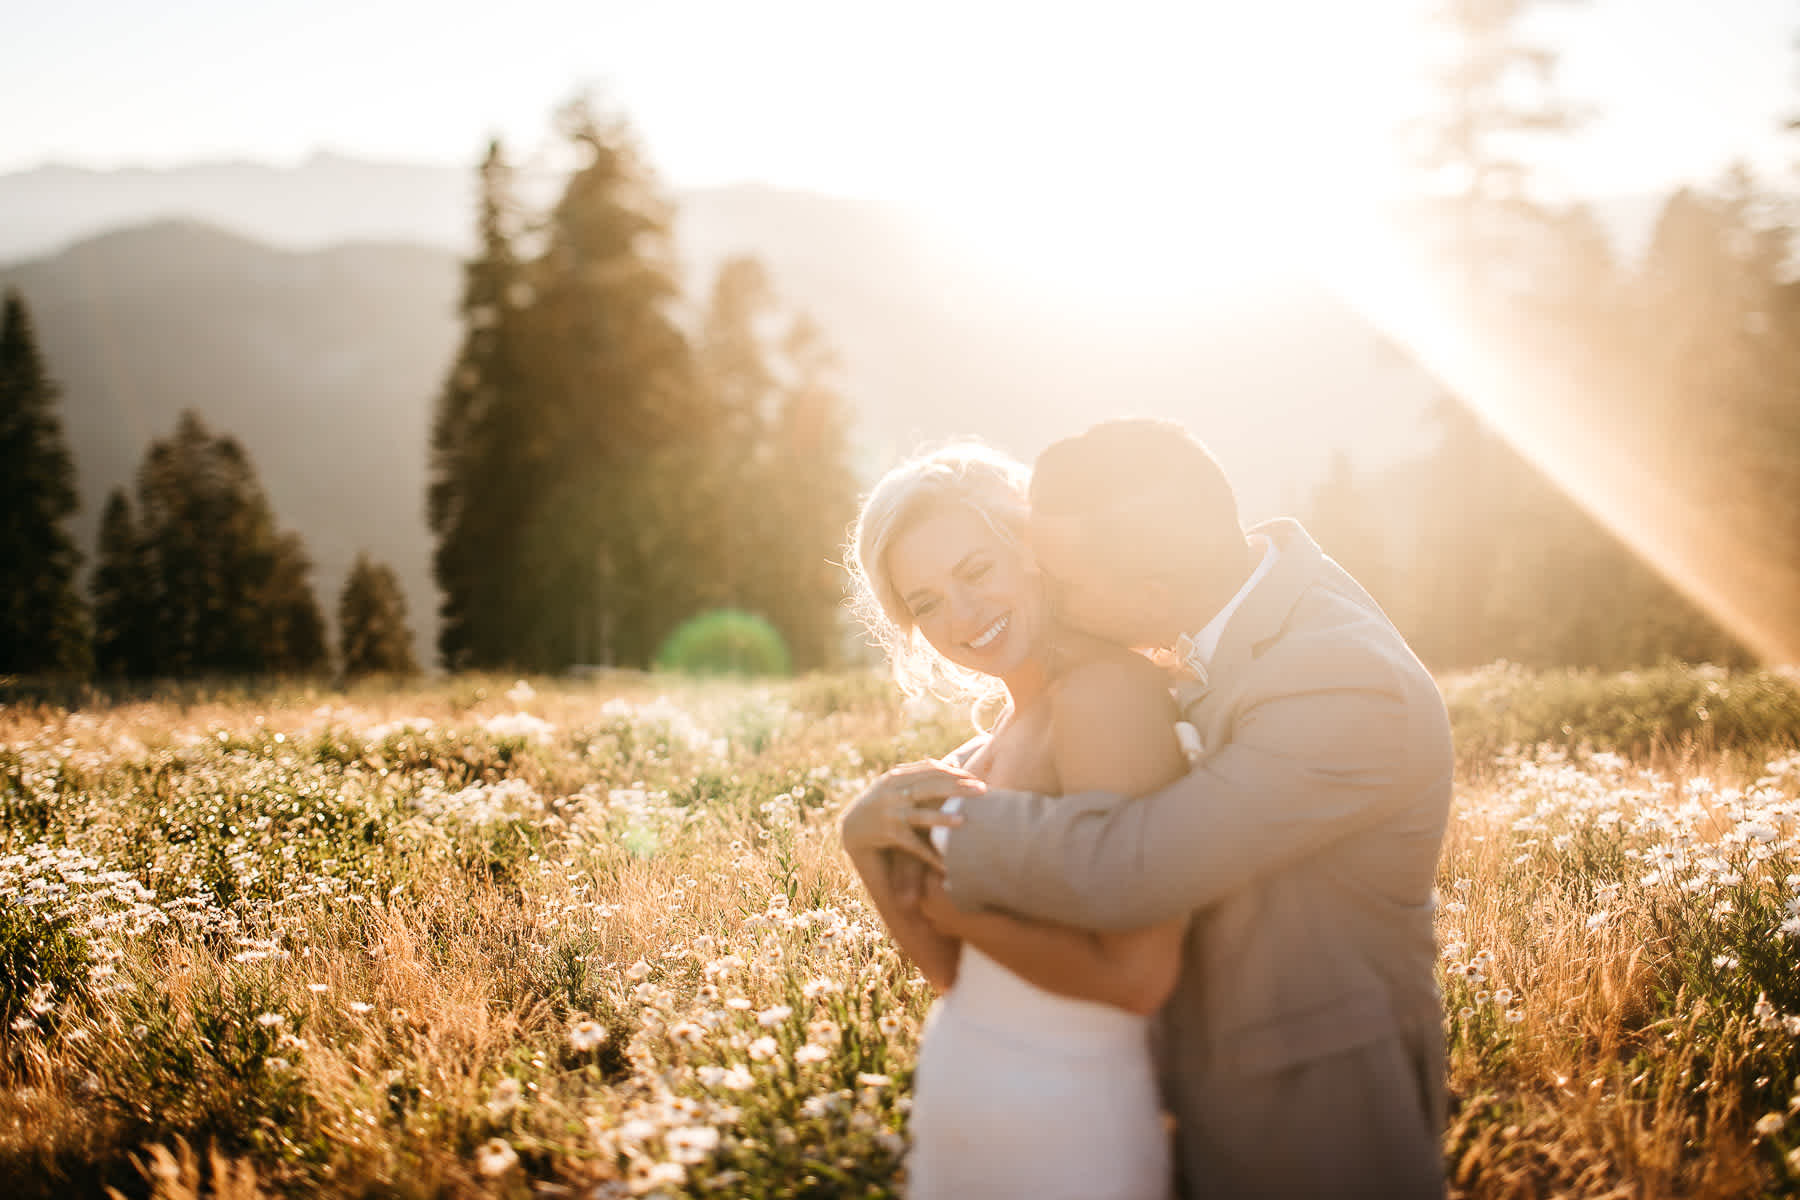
{"x":1164,"y":969}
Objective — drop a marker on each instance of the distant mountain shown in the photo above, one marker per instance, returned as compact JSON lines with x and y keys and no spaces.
{"x":272,"y":314}
{"x":326,"y":200}
{"x":322,"y":364}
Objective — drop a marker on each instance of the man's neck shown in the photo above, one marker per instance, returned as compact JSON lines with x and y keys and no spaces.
{"x":1210,"y":593}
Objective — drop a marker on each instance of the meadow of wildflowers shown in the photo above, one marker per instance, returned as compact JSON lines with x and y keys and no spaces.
{"x":596,"y":938}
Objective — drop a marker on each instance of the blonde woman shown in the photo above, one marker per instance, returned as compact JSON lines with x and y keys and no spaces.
{"x":1034,"y":1075}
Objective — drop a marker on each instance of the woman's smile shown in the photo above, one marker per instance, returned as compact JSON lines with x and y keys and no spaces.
{"x":985,"y":638}
{"x":969,"y":591}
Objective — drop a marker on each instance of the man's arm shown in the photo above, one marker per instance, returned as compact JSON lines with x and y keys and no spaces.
{"x":1305,"y":767}
{"x":1112,"y":726}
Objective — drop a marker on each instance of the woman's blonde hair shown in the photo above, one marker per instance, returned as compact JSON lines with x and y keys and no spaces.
{"x":963,"y":474}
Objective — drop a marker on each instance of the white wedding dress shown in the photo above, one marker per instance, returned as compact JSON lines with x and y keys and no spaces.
{"x":1023,"y":1093}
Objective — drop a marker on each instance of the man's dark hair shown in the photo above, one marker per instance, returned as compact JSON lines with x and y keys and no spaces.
{"x":1144,"y":489}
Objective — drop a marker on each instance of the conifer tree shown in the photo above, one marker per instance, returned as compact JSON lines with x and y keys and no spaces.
{"x":738,"y":385}
{"x":227,"y":591}
{"x":562,"y":439}
{"x":43,"y":623}
{"x":123,"y":637}
{"x":608,"y":409}
{"x":372,"y":629}
{"x":811,"y":482}
{"x":293,"y":628}
{"x":595,"y":480}
{"x":1496,"y":96}
{"x":785,"y":490}
{"x":485,"y":461}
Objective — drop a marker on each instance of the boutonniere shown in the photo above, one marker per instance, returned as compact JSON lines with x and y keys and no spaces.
{"x":1188,"y":660}
{"x":1188,"y":682}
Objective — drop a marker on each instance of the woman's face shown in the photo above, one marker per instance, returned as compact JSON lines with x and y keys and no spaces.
{"x":973,"y":594}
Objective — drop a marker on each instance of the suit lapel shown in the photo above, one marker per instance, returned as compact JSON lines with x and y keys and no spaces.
{"x":1264,"y":612}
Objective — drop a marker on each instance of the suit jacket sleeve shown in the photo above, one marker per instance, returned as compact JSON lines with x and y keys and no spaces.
{"x":1307,"y":763}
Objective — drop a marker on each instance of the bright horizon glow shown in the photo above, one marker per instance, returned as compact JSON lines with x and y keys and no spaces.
{"x":1153,"y":145}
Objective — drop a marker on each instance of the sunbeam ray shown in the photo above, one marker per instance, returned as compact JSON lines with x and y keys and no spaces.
{"x":1733,"y":565}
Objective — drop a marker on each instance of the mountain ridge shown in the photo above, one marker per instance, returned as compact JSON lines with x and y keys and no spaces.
{"x":325,"y":361}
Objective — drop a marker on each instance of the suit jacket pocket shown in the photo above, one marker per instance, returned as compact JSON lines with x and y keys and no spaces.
{"x":1318,"y":1031}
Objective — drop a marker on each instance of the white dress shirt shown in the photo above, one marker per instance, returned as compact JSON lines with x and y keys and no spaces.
{"x":1196,"y":652}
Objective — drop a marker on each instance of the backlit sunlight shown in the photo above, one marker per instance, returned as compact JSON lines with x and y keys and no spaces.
{"x":1726,"y":564}
{"x":1182,"y":172}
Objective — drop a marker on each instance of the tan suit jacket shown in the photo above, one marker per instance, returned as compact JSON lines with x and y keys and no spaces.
{"x":1303,"y":1049}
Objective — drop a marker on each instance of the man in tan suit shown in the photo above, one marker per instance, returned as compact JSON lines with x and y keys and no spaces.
{"x":1303,"y":1049}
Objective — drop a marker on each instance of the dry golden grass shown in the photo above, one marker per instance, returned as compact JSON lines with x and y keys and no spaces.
{"x":1628,"y":1073}
{"x":599,"y":939}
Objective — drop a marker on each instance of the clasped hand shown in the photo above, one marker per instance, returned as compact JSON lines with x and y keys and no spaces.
{"x":897,"y":811}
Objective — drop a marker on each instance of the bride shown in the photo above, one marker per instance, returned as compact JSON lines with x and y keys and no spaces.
{"x":1034,"y":1076}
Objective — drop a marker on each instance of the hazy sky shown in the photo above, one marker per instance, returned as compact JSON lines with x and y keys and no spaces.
{"x":1016,"y":118}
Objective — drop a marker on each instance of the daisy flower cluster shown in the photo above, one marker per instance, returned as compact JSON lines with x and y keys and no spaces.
{"x":1627,"y":934}
{"x":493,"y":935}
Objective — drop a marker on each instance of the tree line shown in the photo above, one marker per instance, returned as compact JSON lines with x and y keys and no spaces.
{"x":608,"y":470}
{"x":192,"y":575}
{"x":612,"y":463}
{"x":602,"y":475}
{"x":1661,"y":388}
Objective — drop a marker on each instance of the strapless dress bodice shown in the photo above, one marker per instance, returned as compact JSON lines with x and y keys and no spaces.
{"x":1021,"y":1094}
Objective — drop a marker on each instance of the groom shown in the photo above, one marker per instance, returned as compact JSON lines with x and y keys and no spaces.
{"x":1303,"y":1049}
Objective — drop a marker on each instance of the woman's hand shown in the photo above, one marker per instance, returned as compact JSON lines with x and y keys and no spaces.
{"x":895,"y":810}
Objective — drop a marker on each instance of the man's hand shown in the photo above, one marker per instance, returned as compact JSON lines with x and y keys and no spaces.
{"x":893,"y":812}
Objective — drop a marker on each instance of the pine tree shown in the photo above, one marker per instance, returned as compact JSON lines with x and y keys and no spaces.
{"x":374,"y":638}
{"x":596,"y":481}
{"x":566,"y":430}
{"x":1614,"y":390}
{"x":485,"y":465}
{"x":817,"y":490}
{"x":292,"y":640}
{"x":610,"y":412}
{"x":733,"y":516}
{"x":780,"y":476}
{"x":43,"y":623}
{"x":123,"y":637}
{"x":1496,"y":96}
{"x":227,"y":591}
{"x":1713,"y":360}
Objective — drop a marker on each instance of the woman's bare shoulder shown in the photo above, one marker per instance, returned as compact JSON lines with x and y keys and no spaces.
{"x":1113,"y":725}
{"x":1105,"y":672}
